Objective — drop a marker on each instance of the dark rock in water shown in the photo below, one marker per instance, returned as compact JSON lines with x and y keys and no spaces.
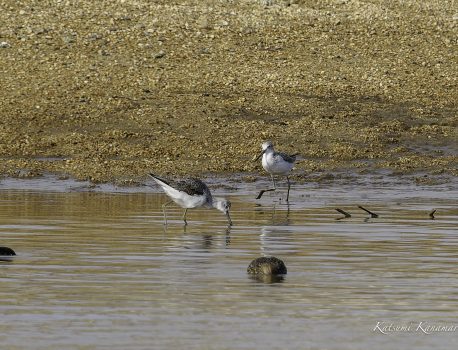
{"x":268,"y":278}
{"x":267,"y":266}
{"x":6,"y":251}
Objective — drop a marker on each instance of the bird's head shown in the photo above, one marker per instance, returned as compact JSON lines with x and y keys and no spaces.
{"x":265,"y":146}
{"x":223,"y":205}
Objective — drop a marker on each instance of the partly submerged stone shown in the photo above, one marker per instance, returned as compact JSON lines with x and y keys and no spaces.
{"x":5,"y":251}
{"x":267,"y":266}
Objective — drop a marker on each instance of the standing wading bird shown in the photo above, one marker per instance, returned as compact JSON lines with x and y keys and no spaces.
{"x":191,"y":193}
{"x":275,"y":163}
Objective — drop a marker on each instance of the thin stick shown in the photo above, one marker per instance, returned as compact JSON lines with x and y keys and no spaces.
{"x":262,"y":192}
{"x":373,"y":215}
{"x":431,"y":214}
{"x":347,"y":215}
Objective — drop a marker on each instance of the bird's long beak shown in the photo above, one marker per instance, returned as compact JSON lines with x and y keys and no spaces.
{"x":229,"y":218}
{"x":259,"y":156}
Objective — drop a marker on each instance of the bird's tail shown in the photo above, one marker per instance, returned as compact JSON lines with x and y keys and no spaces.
{"x":166,"y":186}
{"x":160,"y":181}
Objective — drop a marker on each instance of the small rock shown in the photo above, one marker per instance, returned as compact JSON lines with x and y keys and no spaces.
{"x":267,"y":266}
{"x":25,"y":173}
{"x":160,"y":54}
{"x":202,"y":23}
{"x":149,"y":31}
{"x":139,"y":26}
{"x":5,"y":251}
{"x":69,"y":38}
{"x":266,"y":2}
{"x":4,"y":45}
{"x":39,"y":31}
{"x":94,"y":36}
{"x":247,"y":30}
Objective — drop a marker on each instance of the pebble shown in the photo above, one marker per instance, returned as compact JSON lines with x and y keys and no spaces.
{"x":267,"y":266}
{"x":4,"y":45}
{"x":203,"y":23}
{"x":267,"y":2}
{"x":39,"y":30}
{"x":69,"y":38}
{"x":94,"y":36}
{"x":5,"y":251}
{"x":160,"y":54}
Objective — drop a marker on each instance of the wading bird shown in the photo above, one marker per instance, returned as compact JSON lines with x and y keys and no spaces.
{"x":275,"y":163}
{"x":191,"y":193}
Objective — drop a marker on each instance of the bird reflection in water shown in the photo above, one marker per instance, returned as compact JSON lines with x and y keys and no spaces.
{"x":278,"y":217}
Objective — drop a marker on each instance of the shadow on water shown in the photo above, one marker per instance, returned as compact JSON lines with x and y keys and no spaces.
{"x":103,"y":264}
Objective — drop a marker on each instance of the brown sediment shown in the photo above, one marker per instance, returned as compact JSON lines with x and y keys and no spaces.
{"x":108,"y":91}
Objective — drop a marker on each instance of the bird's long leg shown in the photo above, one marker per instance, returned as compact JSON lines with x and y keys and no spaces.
{"x":268,"y":190}
{"x":184,"y":216}
{"x":273,"y":182}
{"x":289,"y":186}
{"x":165,"y":213}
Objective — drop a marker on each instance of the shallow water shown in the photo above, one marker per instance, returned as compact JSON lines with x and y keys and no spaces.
{"x":98,"y":270}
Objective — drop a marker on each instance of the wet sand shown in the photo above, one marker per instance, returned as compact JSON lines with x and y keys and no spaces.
{"x":109,"y":91}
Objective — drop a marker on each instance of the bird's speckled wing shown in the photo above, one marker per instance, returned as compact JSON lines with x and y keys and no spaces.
{"x":288,"y":158}
{"x":192,"y":186}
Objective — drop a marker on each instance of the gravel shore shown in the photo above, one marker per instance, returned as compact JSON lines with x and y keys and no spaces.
{"x":109,"y":90}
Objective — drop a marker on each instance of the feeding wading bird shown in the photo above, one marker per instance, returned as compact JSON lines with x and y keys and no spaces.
{"x":191,"y":193}
{"x":275,"y":163}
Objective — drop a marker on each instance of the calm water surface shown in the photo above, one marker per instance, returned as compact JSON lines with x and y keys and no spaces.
{"x":98,"y":270}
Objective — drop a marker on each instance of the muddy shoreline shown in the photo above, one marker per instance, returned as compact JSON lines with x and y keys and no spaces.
{"x":107,"y":92}
{"x":242,"y":183}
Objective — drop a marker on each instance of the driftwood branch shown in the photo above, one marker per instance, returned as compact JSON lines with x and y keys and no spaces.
{"x":373,"y":215}
{"x":345,"y":214}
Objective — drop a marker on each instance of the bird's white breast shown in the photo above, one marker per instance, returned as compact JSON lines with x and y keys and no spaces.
{"x":274,"y":164}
